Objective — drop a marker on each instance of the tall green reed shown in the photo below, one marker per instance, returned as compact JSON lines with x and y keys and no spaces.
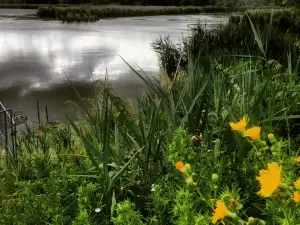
{"x":96,"y":135}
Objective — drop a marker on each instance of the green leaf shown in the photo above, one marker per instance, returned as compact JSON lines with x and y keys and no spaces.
{"x":257,"y":38}
{"x":113,"y":203}
{"x":121,"y":171}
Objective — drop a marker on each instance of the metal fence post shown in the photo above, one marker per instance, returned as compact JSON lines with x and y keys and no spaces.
{"x":5,"y":131}
{"x":38,"y":111}
{"x":8,"y":131}
{"x":13,"y":135}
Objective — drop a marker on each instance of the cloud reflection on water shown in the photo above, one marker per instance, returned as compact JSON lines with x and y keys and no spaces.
{"x":37,"y":57}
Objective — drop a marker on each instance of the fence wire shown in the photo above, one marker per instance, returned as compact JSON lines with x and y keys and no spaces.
{"x":7,"y":131}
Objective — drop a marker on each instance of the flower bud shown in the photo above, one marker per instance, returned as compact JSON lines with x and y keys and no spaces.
{"x":261,"y":222}
{"x":251,"y":220}
{"x":188,"y":167}
{"x":263,"y":143}
{"x":215,"y":177}
{"x":190,"y":181}
{"x":273,"y":149}
{"x":272,"y":138}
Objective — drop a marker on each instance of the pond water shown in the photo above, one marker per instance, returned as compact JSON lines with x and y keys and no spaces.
{"x":39,"y":59}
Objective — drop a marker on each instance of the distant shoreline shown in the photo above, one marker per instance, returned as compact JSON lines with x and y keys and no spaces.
{"x":92,"y":13}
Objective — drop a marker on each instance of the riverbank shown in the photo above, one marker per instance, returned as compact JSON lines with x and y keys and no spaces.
{"x":93,"y":13}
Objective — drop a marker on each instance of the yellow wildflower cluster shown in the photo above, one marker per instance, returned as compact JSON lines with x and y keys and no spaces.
{"x":253,"y":132}
{"x":296,"y":193}
{"x":270,"y":181}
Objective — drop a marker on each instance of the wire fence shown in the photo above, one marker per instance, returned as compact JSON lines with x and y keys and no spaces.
{"x":7,"y":131}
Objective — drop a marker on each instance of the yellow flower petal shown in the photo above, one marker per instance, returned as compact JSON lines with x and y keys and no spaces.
{"x":297,"y":183}
{"x":220,"y":212}
{"x":269,"y":179}
{"x":253,"y":133}
{"x":298,"y":160}
{"x":296,"y":197}
{"x":239,"y":126}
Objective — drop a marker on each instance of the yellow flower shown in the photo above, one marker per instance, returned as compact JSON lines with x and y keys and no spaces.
{"x":253,"y":133}
{"x":239,"y":126}
{"x":297,"y":183}
{"x":296,"y":197}
{"x":298,"y":160}
{"x":220,"y":212}
{"x":180,"y":166}
{"x":269,"y":179}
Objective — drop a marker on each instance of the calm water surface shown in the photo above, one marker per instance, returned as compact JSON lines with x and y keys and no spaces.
{"x":38,"y":59}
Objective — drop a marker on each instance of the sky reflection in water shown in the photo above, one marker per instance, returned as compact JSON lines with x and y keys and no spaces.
{"x":38,"y":57}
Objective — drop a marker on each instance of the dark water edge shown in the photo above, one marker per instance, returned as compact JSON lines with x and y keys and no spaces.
{"x":56,"y":98}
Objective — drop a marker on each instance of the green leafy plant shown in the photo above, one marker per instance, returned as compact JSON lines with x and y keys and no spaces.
{"x":126,"y":214}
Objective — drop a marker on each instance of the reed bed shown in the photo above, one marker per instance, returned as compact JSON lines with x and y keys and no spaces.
{"x":93,"y":13}
{"x":286,"y":19}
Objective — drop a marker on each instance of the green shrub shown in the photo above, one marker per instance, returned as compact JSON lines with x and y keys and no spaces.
{"x":126,"y":215}
{"x":181,"y":147}
{"x":183,"y":211}
{"x":234,"y":38}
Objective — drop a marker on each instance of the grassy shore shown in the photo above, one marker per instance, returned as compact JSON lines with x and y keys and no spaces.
{"x":94,"y":13}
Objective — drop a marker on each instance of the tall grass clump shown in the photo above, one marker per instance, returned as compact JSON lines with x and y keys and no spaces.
{"x":285,"y":19}
{"x":97,"y":12}
{"x":279,"y":42}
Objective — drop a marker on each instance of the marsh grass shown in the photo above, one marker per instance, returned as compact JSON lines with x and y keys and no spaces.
{"x":285,"y":19}
{"x":94,"y":13}
{"x":272,"y":40}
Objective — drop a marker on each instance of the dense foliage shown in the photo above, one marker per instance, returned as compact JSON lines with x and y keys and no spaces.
{"x":92,"y":13}
{"x":217,"y":143}
{"x":276,"y":38}
{"x":151,"y":2}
